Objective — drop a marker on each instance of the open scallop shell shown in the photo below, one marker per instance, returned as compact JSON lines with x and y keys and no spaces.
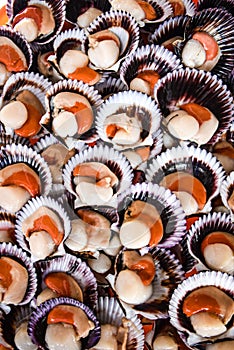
{"x":28,"y":209}
{"x":6,"y":139}
{"x":169,"y":274}
{"x":7,"y":222}
{"x":110,"y":85}
{"x":57,"y":8}
{"x":218,"y":279}
{"x":119,"y":22}
{"x":73,"y":86}
{"x":20,"y":42}
{"x":226,"y":190}
{"x":74,"y":267}
{"x":221,"y":4}
{"x":168,"y":206}
{"x":113,"y":159}
{"x":220,"y":25}
{"x":16,"y":253}
{"x":149,"y":57}
{"x":191,"y":85}
{"x":146,"y":108}
{"x":109,"y":311}
{"x":3,"y":335}
{"x":201,"y":228}
{"x":37,"y":323}
{"x":193,"y":160}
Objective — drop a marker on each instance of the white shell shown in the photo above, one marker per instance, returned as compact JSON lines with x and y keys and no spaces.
{"x":226,"y":189}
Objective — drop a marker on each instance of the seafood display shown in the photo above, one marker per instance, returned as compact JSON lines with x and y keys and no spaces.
{"x":116,"y":175}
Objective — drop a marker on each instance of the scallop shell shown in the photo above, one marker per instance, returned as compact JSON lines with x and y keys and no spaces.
{"x":70,"y":86}
{"x":3,"y":341}
{"x":220,"y":25}
{"x":6,"y":139}
{"x":109,"y":311}
{"x":37,"y":322}
{"x":194,"y":160}
{"x":149,"y":57}
{"x":221,"y":4}
{"x":28,"y":209}
{"x":16,"y":253}
{"x":191,"y":85}
{"x":74,"y":267}
{"x":201,"y":228}
{"x":168,"y":206}
{"x":113,"y":159}
{"x":169,"y":274}
{"x":75,"y":8}
{"x":226,"y":190}
{"x":34,"y":82}
{"x":190,"y":8}
{"x":11,"y":154}
{"x":57,"y":8}
{"x":113,"y":19}
{"x":7,"y":221}
{"x":110,"y":85}
{"x":20,"y":41}
{"x":147,"y":110}
{"x":218,"y":279}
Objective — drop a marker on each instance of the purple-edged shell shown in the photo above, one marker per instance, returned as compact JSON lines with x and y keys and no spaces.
{"x":113,"y":159}
{"x":14,"y":252}
{"x":37,"y":323}
{"x":110,"y":312}
{"x":178,"y":319}
{"x":219,"y":24}
{"x":79,"y":88}
{"x":56,"y":8}
{"x":221,"y":4}
{"x":25,"y":49}
{"x":75,"y":9}
{"x":203,"y":88}
{"x":166,"y":204}
{"x":150,"y":57}
{"x":215,"y":222}
{"x":227,"y":193}
{"x":192,"y":160}
{"x":125,"y":27}
{"x":169,"y":273}
{"x":31,"y":207}
{"x":75,"y":268}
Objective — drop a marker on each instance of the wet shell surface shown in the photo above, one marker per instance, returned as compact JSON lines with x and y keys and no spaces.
{"x":29,"y":209}
{"x":119,"y":22}
{"x":12,"y":154}
{"x":167,"y":205}
{"x":203,"y":88}
{"x":16,"y":253}
{"x":79,"y":88}
{"x":222,"y":281}
{"x":218,"y":24}
{"x":113,"y":159}
{"x":215,"y":222}
{"x":56,"y":8}
{"x":221,"y":4}
{"x":37,"y":323}
{"x":193,"y":160}
{"x":226,"y":192}
{"x":149,"y":57}
{"x":169,"y":273}
{"x":74,"y":267}
{"x":109,"y":311}
{"x":139,"y":108}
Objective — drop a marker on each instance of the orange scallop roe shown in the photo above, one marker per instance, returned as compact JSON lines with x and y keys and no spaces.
{"x":218,"y":237}
{"x":11,"y":59}
{"x":46,"y":223}
{"x":32,"y":125}
{"x":5,"y":275}
{"x":33,"y":12}
{"x":209,"y":43}
{"x":58,"y":282}
{"x":190,"y":221}
{"x":3,"y":16}
{"x":200,"y":113}
{"x":156,"y":231}
{"x":83,"y":114}
{"x":145,"y":269}
{"x":178,"y":7}
{"x":202,"y":302}
{"x":2,"y":347}
{"x":25,"y":180}
{"x":86,"y":74}
{"x":150,"y":12}
{"x":151,"y":77}
{"x":62,"y":313}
